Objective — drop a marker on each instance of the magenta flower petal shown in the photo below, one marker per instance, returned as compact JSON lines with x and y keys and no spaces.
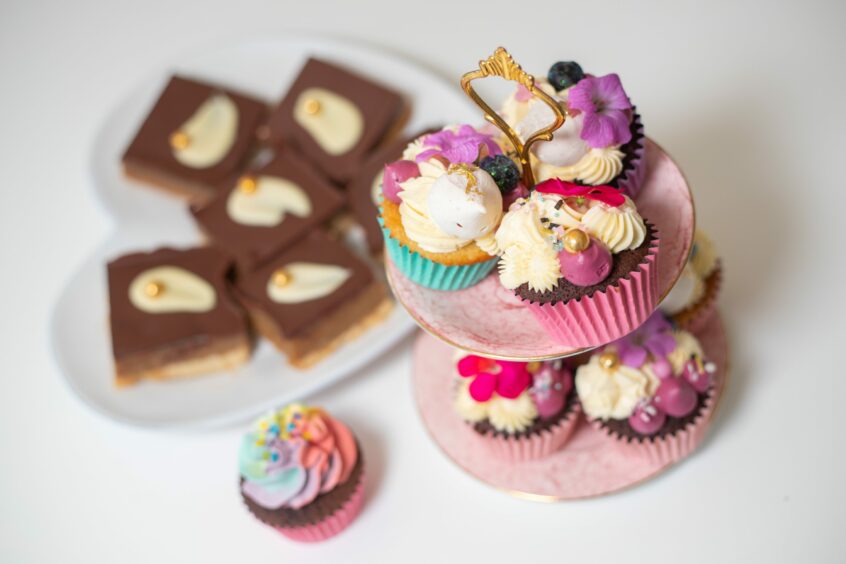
{"x":469,"y":365}
{"x":631,"y":354}
{"x":609,"y":89}
{"x":512,"y":381}
{"x":660,"y":344}
{"x":461,"y":146}
{"x":482,"y":387}
{"x":605,"y":129}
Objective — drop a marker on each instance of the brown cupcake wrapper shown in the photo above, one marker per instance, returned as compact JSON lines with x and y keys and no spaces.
{"x":696,"y":316}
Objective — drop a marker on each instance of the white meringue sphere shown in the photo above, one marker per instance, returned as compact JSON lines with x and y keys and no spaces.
{"x":466,"y":212}
{"x":566,"y":147}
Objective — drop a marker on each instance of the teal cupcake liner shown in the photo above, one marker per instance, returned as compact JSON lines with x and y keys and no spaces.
{"x":431,"y":274}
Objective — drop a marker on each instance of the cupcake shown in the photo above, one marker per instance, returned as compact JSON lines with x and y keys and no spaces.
{"x":601,"y":142}
{"x":692,"y":300}
{"x":302,"y":473}
{"x":440,"y":208}
{"x":651,"y":391}
{"x":520,"y":411}
{"x":583,"y":260}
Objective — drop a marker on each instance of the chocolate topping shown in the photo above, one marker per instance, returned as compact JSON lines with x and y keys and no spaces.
{"x":323,"y":506}
{"x":137,"y":332}
{"x":537,"y":427}
{"x":253,"y":244}
{"x":293,"y":318}
{"x":623,"y":264}
{"x":151,"y":150}
{"x":380,"y":107}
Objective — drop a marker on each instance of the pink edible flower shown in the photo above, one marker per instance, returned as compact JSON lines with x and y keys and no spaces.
{"x":461,"y":146}
{"x":508,"y":379}
{"x":605,"y":105}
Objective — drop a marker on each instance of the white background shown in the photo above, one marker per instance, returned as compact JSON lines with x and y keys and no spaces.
{"x":748,"y":98}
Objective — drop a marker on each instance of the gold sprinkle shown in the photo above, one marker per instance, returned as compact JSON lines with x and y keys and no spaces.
{"x":576,"y":241}
{"x":467,"y":172}
{"x":609,"y":360}
{"x":179,"y":140}
{"x":247,"y":184}
{"x":154,"y":289}
{"x":281,"y":278}
{"x":312,"y":106}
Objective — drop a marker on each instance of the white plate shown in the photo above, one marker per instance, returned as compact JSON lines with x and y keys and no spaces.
{"x":145,"y":219}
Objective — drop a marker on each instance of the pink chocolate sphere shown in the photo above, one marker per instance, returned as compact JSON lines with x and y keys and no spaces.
{"x":647,"y":419}
{"x":587,"y":267}
{"x":396,"y":172}
{"x":518,"y":192}
{"x":675,"y":397}
{"x":551,"y":384}
{"x":698,"y":375}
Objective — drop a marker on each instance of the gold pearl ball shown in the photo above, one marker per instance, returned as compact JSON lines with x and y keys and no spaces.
{"x":609,"y":360}
{"x":154,"y":289}
{"x":312,"y":106}
{"x":247,"y":184}
{"x":179,"y":140}
{"x":281,"y":278}
{"x":533,"y":366}
{"x":576,"y":241}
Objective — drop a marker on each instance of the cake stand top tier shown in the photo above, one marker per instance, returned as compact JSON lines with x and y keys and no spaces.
{"x":489,"y":320}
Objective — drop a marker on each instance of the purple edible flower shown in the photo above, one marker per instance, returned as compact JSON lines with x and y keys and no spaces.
{"x":605,"y":104}
{"x":460,"y":146}
{"x":653,"y":337}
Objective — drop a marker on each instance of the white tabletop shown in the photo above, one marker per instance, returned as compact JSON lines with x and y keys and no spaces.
{"x":748,"y":98}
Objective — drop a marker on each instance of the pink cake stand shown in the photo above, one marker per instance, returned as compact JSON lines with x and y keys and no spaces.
{"x":589,"y":465}
{"x":488,"y":320}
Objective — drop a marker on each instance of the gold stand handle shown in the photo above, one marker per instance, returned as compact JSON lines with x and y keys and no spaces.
{"x":501,"y":64}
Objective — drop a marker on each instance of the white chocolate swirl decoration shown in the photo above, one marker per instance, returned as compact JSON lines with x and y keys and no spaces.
{"x":612,"y":392}
{"x":414,"y":211}
{"x":299,"y":282}
{"x":266,"y":200}
{"x":597,"y":167}
{"x":334,"y":122}
{"x":620,"y":228}
{"x":208,"y":135}
{"x":171,"y":289}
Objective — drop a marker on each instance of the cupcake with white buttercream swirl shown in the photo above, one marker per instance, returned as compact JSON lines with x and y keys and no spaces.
{"x":693,"y":299}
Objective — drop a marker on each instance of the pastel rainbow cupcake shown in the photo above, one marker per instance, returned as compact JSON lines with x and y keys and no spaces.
{"x":302,"y":473}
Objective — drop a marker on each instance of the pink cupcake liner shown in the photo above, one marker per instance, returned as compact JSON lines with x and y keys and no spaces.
{"x":332,"y":525}
{"x":605,"y":316}
{"x":671,"y":448}
{"x":536,"y":446}
{"x":632,"y":178}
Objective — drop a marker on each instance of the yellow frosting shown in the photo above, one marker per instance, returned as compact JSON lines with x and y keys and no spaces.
{"x":686,"y":346}
{"x":620,"y":228}
{"x":537,"y":266}
{"x":466,"y":407}
{"x":612,"y":393}
{"x":598,"y":166}
{"x":704,"y":260}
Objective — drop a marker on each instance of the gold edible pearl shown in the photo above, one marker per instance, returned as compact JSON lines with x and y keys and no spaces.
{"x":179,"y":140}
{"x":281,"y":278}
{"x":312,"y":106}
{"x":609,"y":360}
{"x":154,"y":289}
{"x":576,"y":241}
{"x":533,"y":367}
{"x":247,"y":184}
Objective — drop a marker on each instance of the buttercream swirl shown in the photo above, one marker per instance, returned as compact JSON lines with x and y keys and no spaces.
{"x":508,"y":415}
{"x":686,"y":346}
{"x":599,"y":166}
{"x":292,"y":455}
{"x":612,"y":393}
{"x":703,"y":256}
{"x":620,"y":228}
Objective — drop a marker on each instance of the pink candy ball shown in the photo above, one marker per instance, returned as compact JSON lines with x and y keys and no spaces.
{"x":676,"y":397}
{"x":396,"y":172}
{"x":519,"y":191}
{"x":647,"y":419}
{"x":588,"y":267}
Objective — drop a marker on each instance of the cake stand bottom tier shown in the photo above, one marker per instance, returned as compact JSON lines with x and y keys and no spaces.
{"x":589,"y":465}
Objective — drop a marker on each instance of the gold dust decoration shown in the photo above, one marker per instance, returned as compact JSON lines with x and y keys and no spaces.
{"x":179,"y":140}
{"x":466,"y":171}
{"x":281,"y":278}
{"x":576,"y":241}
{"x":501,"y":64}
{"x":154,"y":289}
{"x":312,"y":107}
{"x":247,"y":184}
{"x":609,"y":360}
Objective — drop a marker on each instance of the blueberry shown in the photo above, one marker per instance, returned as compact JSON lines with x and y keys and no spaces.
{"x":503,"y":170}
{"x":564,"y":74}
